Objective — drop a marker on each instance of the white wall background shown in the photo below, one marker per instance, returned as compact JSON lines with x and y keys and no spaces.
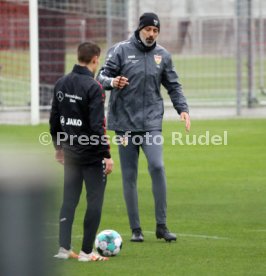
{"x":187,"y":8}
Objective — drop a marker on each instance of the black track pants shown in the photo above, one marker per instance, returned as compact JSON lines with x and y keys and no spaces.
{"x":95,"y":182}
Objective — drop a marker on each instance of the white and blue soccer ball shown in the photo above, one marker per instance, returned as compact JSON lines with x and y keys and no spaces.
{"x":108,"y":243}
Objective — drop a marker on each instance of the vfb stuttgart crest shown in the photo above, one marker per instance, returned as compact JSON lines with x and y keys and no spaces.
{"x":158,"y":59}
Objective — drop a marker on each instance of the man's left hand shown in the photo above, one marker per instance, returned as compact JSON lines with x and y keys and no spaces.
{"x":109,"y":164}
{"x":59,"y":156}
{"x":185,"y":117}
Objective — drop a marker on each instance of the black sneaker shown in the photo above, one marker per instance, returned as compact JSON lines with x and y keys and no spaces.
{"x":163,"y":233}
{"x":137,"y":235}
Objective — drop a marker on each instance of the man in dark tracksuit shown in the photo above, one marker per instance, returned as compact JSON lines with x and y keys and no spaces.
{"x":77,"y":126}
{"x":134,"y":71}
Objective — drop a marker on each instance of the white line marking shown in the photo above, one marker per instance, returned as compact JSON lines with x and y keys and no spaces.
{"x":153,"y":233}
{"x":204,"y":236}
{"x":194,"y":236}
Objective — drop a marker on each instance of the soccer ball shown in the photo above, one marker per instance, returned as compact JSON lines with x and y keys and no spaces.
{"x":108,"y":243}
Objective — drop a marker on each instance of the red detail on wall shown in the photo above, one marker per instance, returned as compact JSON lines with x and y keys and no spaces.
{"x":51,"y":45}
{"x":14,"y":25}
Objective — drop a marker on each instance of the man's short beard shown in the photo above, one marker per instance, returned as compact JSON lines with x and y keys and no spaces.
{"x":145,"y":42}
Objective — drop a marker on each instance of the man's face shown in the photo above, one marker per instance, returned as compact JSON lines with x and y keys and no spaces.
{"x":148,"y":35}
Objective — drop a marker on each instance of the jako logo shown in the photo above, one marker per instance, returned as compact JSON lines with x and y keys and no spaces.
{"x":62,"y":120}
{"x":73,"y":122}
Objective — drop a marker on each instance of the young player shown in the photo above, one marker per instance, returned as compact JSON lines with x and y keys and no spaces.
{"x":77,"y":115}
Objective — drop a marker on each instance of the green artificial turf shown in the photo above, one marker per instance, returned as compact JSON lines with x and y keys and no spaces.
{"x":216,"y":204}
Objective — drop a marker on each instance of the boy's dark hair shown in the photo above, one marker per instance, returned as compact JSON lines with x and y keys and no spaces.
{"x":87,"y":50}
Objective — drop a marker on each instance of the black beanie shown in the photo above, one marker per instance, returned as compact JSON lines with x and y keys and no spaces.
{"x":149,"y":19}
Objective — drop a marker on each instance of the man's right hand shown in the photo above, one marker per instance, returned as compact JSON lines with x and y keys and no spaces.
{"x":109,"y":164}
{"x":120,"y":82}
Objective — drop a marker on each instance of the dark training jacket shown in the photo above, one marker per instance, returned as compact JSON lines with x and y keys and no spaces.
{"x":139,"y":106}
{"x":78,"y":112}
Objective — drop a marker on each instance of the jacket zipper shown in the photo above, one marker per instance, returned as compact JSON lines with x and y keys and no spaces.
{"x":143,"y":106}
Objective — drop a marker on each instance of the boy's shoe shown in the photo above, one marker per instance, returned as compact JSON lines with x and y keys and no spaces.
{"x":92,"y":257}
{"x":137,"y":235}
{"x":163,"y":233}
{"x":65,"y":254}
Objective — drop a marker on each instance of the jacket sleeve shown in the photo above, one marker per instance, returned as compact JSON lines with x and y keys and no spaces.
{"x":54,"y":121}
{"x":171,"y":83}
{"x":111,"y":69}
{"x":97,"y":118}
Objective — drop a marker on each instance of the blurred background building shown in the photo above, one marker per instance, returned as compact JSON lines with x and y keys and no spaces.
{"x":218,"y":48}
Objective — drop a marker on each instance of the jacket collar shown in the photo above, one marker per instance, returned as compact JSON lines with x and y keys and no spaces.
{"x":139,"y":44}
{"x":82,"y":70}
